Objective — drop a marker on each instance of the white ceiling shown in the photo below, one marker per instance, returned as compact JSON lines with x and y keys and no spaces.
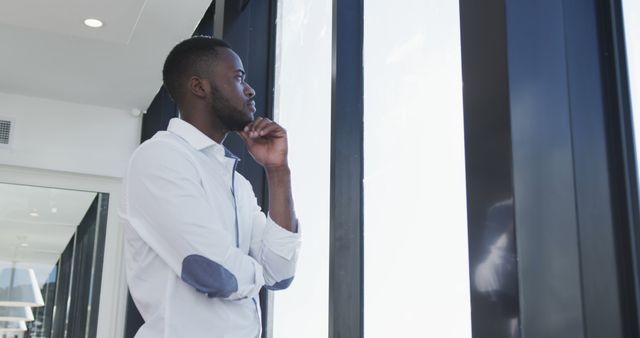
{"x":47,"y":51}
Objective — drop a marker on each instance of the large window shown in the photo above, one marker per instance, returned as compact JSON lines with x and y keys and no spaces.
{"x":415,"y":222}
{"x":303,"y":106}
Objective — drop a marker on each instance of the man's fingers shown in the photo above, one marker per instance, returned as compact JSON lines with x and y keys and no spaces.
{"x":248,"y":127}
{"x":259,"y":123}
{"x":270,"y":129}
{"x":261,"y":127}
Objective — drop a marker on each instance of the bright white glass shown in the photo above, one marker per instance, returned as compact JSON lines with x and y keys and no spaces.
{"x":415,"y":229}
{"x":631,"y":10}
{"x":303,"y":107}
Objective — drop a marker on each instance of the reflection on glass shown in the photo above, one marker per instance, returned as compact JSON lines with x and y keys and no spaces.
{"x":495,"y":276}
{"x":43,"y":230}
{"x":19,"y":287}
{"x":44,"y":315}
{"x":16,"y":313}
{"x":12,"y":328}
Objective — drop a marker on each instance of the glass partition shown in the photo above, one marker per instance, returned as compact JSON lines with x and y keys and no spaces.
{"x":50,"y":260}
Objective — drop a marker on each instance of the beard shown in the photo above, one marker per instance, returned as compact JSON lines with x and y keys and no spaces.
{"x":231,"y":117}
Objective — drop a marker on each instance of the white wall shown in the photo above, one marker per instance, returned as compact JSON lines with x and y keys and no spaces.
{"x":69,"y":137}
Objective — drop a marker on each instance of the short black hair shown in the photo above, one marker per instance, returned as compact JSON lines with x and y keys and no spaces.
{"x":190,"y":57}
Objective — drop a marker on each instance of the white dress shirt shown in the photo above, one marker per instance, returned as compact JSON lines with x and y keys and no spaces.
{"x":197,"y":246}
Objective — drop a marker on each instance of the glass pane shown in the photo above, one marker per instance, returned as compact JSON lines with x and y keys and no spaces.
{"x":303,"y":106}
{"x":415,"y":230}
{"x":50,"y":257}
{"x":631,"y":10}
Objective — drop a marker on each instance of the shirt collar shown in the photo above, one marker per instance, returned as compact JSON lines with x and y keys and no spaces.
{"x":189,"y":133}
{"x":196,"y":138}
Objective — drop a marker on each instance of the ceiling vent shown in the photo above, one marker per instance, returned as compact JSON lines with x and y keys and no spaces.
{"x":5,"y":131}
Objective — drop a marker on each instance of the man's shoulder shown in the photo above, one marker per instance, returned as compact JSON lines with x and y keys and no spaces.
{"x":163,"y":146}
{"x":162,"y":141}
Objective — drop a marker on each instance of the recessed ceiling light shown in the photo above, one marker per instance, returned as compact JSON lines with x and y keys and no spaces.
{"x":54,"y":210}
{"x":24,"y":245}
{"x":93,"y":23}
{"x":34,"y":213}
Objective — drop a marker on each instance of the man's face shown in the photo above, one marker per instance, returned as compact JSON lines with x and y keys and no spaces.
{"x":232,"y":98}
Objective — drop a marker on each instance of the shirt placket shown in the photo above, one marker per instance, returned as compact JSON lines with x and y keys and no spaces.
{"x":230,"y":163}
{"x":230,"y":157}
{"x":235,"y":159}
{"x":235,"y":203}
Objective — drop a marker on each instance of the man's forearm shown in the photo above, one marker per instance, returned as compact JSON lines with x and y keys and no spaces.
{"x":280,"y":198}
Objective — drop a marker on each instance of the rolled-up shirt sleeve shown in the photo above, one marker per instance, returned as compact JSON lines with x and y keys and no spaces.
{"x":167,"y":206}
{"x":276,"y":249}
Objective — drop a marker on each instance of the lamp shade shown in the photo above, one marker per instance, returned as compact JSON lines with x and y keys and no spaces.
{"x":19,"y":287}
{"x":17,"y":326}
{"x":15,"y":313}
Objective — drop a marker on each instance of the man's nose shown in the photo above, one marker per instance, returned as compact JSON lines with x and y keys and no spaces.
{"x":248,"y":91}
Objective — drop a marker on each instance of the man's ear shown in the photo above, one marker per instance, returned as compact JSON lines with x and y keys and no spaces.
{"x":198,"y":86}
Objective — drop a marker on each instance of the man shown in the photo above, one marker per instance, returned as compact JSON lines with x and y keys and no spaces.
{"x":198,"y":249}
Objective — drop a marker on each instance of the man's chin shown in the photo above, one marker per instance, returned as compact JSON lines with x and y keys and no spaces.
{"x":250,"y":118}
{"x":240,"y":126}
